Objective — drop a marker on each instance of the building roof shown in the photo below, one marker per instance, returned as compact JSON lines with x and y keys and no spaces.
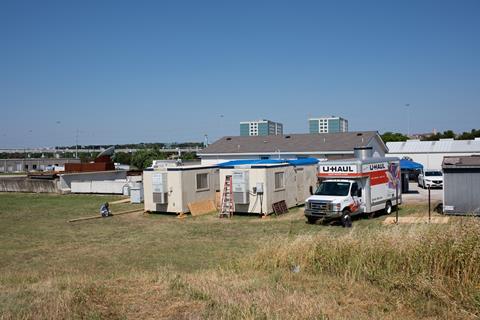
{"x":293,"y":143}
{"x":266,"y":162}
{"x":442,"y":146}
{"x":461,"y":162}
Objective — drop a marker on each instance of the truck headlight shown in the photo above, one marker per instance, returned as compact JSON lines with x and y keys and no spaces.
{"x":307,"y":205}
{"x":334,"y":206}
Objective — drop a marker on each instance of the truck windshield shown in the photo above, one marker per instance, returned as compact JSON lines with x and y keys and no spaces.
{"x":333,"y":188}
{"x":433,"y":173}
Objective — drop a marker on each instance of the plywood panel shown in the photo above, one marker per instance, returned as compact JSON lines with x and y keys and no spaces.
{"x":202,"y":207}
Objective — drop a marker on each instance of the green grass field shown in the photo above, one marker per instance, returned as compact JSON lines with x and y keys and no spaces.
{"x":140,"y":266}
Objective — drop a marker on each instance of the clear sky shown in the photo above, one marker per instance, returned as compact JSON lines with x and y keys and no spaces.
{"x":143,"y":71}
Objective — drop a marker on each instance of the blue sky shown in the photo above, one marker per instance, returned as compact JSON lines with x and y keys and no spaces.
{"x":140,"y":71}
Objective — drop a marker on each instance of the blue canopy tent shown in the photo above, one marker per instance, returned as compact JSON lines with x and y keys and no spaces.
{"x":410,"y":170}
{"x":410,"y":165}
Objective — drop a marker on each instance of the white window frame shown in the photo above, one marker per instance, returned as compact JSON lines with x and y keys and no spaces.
{"x":282,"y":187}
{"x":208,"y":182}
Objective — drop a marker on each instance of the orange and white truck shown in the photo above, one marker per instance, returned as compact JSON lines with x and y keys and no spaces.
{"x":363,"y":185}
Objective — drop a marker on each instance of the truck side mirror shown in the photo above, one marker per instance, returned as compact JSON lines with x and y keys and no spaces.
{"x":311,"y":190}
{"x":359,"y":193}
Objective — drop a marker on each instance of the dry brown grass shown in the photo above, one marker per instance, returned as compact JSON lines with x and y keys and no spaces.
{"x":158,"y":267}
{"x":435,"y":270}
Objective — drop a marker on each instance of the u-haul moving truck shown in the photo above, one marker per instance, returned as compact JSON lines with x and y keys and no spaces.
{"x":356,"y":186}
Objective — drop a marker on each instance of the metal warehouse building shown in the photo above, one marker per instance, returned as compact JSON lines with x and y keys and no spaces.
{"x":461,"y":186}
{"x":431,"y":153}
{"x":32,"y":164}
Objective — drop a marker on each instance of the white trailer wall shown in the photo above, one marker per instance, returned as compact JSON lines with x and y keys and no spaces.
{"x":280,"y":182}
{"x":185,"y":185}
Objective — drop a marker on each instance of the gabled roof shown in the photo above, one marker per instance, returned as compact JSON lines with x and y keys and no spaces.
{"x":442,"y":146}
{"x":293,"y":143}
{"x":461,"y":162}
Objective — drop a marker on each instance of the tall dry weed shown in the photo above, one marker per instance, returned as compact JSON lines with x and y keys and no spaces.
{"x":424,"y":262}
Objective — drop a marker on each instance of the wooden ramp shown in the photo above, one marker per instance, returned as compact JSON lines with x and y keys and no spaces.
{"x":412,"y":220}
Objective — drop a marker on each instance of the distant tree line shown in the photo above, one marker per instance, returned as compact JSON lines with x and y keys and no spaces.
{"x":448,"y":134}
{"x":140,"y":159}
{"x":142,"y":145}
{"x":144,"y":158}
{"x":85,"y":157}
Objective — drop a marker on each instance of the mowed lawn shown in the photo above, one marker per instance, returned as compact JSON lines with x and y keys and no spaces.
{"x":158,"y":266}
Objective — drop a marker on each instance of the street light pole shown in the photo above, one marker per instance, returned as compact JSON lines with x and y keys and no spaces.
{"x":408,"y":119}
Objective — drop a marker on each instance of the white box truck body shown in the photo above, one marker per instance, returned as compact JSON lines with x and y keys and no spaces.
{"x":356,"y":186}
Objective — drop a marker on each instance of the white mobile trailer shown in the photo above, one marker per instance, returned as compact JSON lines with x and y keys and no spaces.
{"x":172,"y":188}
{"x":351,"y":187}
{"x":258,"y":184}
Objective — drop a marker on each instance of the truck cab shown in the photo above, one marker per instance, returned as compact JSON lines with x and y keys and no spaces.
{"x":333,"y":198}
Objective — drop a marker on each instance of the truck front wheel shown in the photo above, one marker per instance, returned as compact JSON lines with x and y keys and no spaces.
{"x":346,"y":219}
{"x":312,"y":220}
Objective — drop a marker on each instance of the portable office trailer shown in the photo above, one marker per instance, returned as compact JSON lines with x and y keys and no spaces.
{"x":258,"y":184}
{"x":461,"y":183}
{"x":172,"y":188}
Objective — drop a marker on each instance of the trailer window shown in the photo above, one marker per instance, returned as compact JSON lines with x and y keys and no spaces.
{"x":333,"y":188}
{"x":279,"y":180}
{"x":202,"y":181}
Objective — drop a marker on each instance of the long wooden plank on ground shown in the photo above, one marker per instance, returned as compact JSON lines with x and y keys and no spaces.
{"x":202,"y":207}
{"x":99,"y":216}
{"x":121,"y":201}
{"x":411,"y":220}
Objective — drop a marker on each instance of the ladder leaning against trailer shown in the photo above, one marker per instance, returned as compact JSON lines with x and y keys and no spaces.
{"x":227,"y":199}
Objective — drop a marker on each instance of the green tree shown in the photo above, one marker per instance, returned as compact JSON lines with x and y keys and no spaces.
{"x":448,"y":134}
{"x":189,"y":156}
{"x":391,"y":136}
{"x":122,"y":157}
{"x":469,"y":135}
{"x":144,"y":158}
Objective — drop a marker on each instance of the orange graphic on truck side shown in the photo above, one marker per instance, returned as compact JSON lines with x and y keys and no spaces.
{"x":354,"y":207}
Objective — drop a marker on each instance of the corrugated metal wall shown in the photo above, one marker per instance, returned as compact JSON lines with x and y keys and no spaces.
{"x":462,"y":191}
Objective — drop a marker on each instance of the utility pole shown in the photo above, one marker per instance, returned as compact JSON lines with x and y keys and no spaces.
{"x":76,"y":144}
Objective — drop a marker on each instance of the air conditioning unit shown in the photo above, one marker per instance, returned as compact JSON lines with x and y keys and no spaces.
{"x":160,"y":198}
{"x":160,"y":187}
{"x":240,"y":187}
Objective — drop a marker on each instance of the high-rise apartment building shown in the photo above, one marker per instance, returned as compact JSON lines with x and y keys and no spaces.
{"x":260,"y":128}
{"x":327,"y":125}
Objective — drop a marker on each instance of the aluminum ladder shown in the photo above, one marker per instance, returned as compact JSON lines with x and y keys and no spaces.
{"x":227,"y":199}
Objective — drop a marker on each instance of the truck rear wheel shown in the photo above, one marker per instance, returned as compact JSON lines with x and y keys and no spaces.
{"x":346,"y":219}
{"x":388,"y":207}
